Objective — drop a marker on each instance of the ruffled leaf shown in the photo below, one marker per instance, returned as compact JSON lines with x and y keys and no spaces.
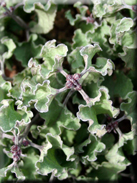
{"x":58,"y":159}
{"x":61,"y":117}
{"x":9,"y":43}
{"x":45,"y":19}
{"x":118,"y":85}
{"x":26,"y":50}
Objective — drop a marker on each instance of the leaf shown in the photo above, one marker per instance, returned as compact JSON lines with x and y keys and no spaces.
{"x":18,"y":173}
{"x":40,"y":95}
{"x":117,"y":150}
{"x":87,"y":113}
{"x":28,"y":168}
{"x":68,"y":136}
{"x":78,"y":18}
{"x":113,"y":34}
{"x":92,"y":149}
{"x":118,"y":85}
{"x":130,"y":106}
{"x":88,"y":52}
{"x":75,"y":59}
{"x":9,"y":43}
{"x":129,"y":40}
{"x":53,"y":56}
{"x":99,"y":36}
{"x":5,"y":86}
{"x":29,"y":6}
{"x":27,"y":49}
{"x":106,"y":8}
{"x":107,"y":171}
{"x":102,"y":106}
{"x":8,"y":115}
{"x":124,"y":25}
{"x":104,"y":66}
{"x":69,"y":16}
{"x":128,"y":56}
{"x":3,"y":171}
{"x":58,"y":159}
{"x":79,"y":39}
{"x":81,"y":8}
{"x":61,"y":117}
{"x":45,"y":19}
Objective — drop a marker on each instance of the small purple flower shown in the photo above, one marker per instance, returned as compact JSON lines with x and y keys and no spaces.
{"x":16,"y":151}
{"x":25,"y":142}
{"x":72,"y":82}
{"x":111,"y":126}
{"x":90,"y":19}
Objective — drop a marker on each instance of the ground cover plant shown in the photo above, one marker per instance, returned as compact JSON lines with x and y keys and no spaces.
{"x":68,"y":90}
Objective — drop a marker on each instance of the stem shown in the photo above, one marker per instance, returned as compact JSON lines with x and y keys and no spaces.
{"x":4,"y":135}
{"x":17,"y":5}
{"x":120,"y":119}
{"x":26,"y":131}
{"x":68,"y":96}
{"x":36,"y":146}
{"x":63,"y":72}
{"x":27,"y":34}
{"x":85,"y":96}
{"x":61,"y":90}
{"x":85,"y":68}
{"x":52,"y":177}
{"x":119,"y":132}
{"x":17,"y":19}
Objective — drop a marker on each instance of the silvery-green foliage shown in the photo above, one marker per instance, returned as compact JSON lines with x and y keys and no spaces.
{"x":55,"y":122}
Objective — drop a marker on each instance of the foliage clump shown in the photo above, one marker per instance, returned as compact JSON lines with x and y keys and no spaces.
{"x":67,"y":108}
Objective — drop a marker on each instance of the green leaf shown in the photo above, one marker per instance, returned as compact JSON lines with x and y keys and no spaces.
{"x":81,"y":8}
{"x":58,"y":159}
{"x":79,"y":39}
{"x":68,"y":136}
{"x":88,"y":53}
{"x":128,"y":56}
{"x":104,"y":105}
{"x":117,"y":150}
{"x":29,"y":6}
{"x":106,"y":8}
{"x":45,"y":19}
{"x":18,"y":173}
{"x":124,"y":25}
{"x":87,"y":113}
{"x":75,"y":59}
{"x":8,"y":115}
{"x":101,"y":106}
{"x":92,"y":149}
{"x":118,"y":85}
{"x":130,"y":106}
{"x":61,"y":117}
{"x":69,"y":16}
{"x":99,"y":36}
{"x":3,"y":171}
{"x":28,"y":167}
{"x":40,"y":95}
{"x":9,"y":43}
{"x":26,"y":50}
{"x":5,"y":86}
{"x":104,"y":66}
{"x":53,"y":55}
{"x":113,"y":34}
{"x":129,"y":40}
{"x":107,"y":171}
